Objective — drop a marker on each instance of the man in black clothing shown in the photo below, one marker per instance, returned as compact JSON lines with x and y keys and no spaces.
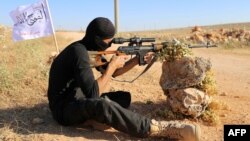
{"x":75,"y":96}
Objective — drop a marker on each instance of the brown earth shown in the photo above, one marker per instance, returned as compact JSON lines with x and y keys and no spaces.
{"x":232,"y":72}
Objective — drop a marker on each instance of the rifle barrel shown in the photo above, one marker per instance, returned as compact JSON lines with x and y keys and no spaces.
{"x":103,"y":52}
{"x":200,"y":46}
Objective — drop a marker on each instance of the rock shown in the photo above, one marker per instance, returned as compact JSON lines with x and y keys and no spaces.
{"x":236,"y":96}
{"x":188,"y":101}
{"x":45,"y":109}
{"x":184,"y":72}
{"x":37,"y":121}
{"x":223,"y":115}
{"x":197,"y":29}
{"x":52,"y":56}
{"x":223,"y":94}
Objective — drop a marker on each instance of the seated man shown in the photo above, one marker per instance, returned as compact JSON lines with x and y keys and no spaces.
{"x":75,"y":96}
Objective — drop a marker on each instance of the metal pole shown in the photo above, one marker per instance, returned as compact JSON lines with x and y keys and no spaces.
{"x":116,"y":4}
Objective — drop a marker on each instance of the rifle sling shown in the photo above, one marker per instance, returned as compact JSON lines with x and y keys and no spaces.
{"x":145,"y":70}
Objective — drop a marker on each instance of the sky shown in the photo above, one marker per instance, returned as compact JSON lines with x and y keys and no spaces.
{"x":135,"y":15}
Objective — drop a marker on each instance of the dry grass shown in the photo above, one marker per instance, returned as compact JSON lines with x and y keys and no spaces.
{"x":23,"y":70}
{"x":24,"y":78}
{"x":211,"y":117}
{"x":23,"y":85}
{"x":209,"y":84}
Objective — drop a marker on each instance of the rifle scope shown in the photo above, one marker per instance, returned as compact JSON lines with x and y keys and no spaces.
{"x":134,"y":40}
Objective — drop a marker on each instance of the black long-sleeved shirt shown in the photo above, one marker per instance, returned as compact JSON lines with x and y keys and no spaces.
{"x":70,"y":70}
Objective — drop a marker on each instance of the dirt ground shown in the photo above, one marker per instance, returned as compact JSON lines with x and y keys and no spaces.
{"x":232,"y":72}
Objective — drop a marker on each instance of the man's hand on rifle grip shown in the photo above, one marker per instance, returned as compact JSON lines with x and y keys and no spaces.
{"x":118,"y":61}
{"x":149,"y":57}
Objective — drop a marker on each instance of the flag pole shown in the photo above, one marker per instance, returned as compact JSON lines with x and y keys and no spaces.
{"x":54,"y":33}
{"x":54,"y":36}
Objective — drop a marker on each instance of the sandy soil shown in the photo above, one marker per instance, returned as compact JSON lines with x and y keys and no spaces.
{"x":232,"y":72}
{"x":232,"y":75}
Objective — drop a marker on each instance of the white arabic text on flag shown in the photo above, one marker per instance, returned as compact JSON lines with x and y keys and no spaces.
{"x":31,"y":21}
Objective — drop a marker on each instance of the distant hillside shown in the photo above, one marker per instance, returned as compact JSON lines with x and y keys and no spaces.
{"x":182,"y":32}
{"x":245,"y":26}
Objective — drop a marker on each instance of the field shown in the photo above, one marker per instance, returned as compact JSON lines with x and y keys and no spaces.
{"x":24,"y":112}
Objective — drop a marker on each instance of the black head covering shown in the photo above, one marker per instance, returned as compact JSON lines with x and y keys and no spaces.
{"x":98,"y":29}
